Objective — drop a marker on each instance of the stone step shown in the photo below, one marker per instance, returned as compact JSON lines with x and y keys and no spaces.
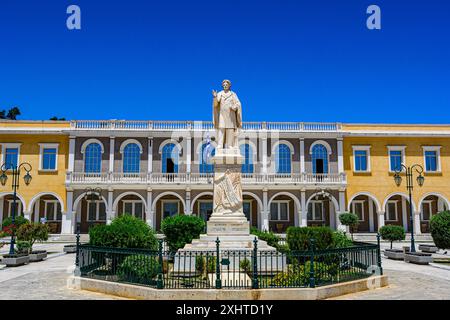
{"x":371,"y":237}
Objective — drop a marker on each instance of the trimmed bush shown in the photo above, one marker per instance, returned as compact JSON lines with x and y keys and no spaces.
{"x":19,"y":220}
{"x":23,"y":247}
{"x":340,"y":240}
{"x":125,"y":231}
{"x":268,"y":236}
{"x":298,"y":238}
{"x":32,"y":232}
{"x":350,"y":220}
{"x":245,"y":265}
{"x":138,"y":269}
{"x":392,"y":233}
{"x":440,"y":229}
{"x":181,"y":229}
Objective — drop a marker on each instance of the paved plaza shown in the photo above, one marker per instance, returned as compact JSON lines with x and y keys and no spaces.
{"x":47,"y":280}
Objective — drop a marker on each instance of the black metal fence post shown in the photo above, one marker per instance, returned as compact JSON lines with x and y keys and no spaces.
{"x":255,"y":282}
{"x":77,"y":257}
{"x":379,"y":254}
{"x":312,"y":280}
{"x":218,"y":280}
{"x":159,"y":281}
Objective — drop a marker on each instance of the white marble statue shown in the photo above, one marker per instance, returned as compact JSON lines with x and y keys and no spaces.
{"x":227,"y":116}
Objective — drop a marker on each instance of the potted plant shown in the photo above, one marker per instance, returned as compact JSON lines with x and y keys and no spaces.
{"x":20,"y":257}
{"x":350,"y":220}
{"x":393,"y":233}
{"x":32,"y":232}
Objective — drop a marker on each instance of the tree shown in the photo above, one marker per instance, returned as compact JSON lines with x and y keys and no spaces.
{"x":32,"y":232}
{"x":55,"y":118}
{"x":440,"y":229}
{"x":349,"y":219}
{"x":2,"y":114}
{"x":392,"y":233}
{"x":13,"y":113}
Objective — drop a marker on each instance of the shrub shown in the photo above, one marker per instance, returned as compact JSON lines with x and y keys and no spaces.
{"x":32,"y":232}
{"x":349,"y":219}
{"x":205,"y":264}
{"x":392,"y":233}
{"x":23,"y":247}
{"x":19,"y":220}
{"x":298,"y":238}
{"x":268,"y":236}
{"x":138,"y":269}
{"x":245,"y":265}
{"x":181,"y":229}
{"x":340,"y":240}
{"x":125,"y":231}
{"x":440,"y":229}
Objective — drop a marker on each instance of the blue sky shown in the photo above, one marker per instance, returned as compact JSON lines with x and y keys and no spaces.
{"x":288,"y":60}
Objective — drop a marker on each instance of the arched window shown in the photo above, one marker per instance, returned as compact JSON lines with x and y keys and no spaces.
{"x":93,"y":158}
{"x":205,"y":161}
{"x":247,"y":153}
{"x":283,"y":159}
{"x":131,"y":158}
{"x":170,"y":158}
{"x":319,"y":159}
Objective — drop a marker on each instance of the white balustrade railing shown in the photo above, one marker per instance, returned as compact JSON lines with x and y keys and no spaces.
{"x":202,"y":178}
{"x":143,"y":125}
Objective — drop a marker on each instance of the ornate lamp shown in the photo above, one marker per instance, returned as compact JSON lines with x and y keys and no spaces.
{"x":397,"y":179}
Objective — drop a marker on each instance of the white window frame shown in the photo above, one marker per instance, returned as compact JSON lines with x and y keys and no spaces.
{"x":313,"y":213}
{"x":437,"y":149}
{"x":55,"y":210}
{"x":278,"y":202}
{"x":361,"y":202}
{"x":43,"y":146}
{"x":133,"y":207}
{"x":428,"y":202}
{"x":203,"y":201}
{"x":83,"y":152}
{"x":97,"y":210}
{"x":19,"y":207}
{"x":362,"y":148}
{"x":395,"y":202}
{"x":396,"y":148}
{"x":169,"y":201}
{"x":10,"y":145}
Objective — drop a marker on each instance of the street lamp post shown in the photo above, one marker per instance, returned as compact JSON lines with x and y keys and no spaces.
{"x":15,"y":171}
{"x":410,"y":186}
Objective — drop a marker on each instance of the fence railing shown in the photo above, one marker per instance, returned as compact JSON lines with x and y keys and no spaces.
{"x":252,"y":268}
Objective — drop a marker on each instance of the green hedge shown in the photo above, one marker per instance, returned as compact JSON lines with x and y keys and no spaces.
{"x":138,"y":269}
{"x":19,"y":220}
{"x":440,"y":229}
{"x":181,"y":229}
{"x":298,"y":238}
{"x":268,"y":236}
{"x":125,"y":231}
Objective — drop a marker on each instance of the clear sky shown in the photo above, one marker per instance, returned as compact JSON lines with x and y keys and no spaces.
{"x":292,"y":60}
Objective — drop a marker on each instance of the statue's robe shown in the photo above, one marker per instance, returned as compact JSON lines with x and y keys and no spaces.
{"x":227,"y":111}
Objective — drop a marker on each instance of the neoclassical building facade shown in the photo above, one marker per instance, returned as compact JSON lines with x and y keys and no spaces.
{"x":295,"y":174}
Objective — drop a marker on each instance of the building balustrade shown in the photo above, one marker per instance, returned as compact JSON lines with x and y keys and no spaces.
{"x":202,"y":178}
{"x":144,"y":125}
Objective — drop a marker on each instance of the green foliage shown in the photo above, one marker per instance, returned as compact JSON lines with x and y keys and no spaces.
{"x":125,"y":231}
{"x":19,"y":220}
{"x":349,"y":219}
{"x":23,"y":247}
{"x":392,"y":233}
{"x":298,"y":275}
{"x":340,"y":240}
{"x":268,"y":236}
{"x":138,"y":269}
{"x":181,"y":229}
{"x":32,"y":232}
{"x":205,"y":264}
{"x":298,"y":238}
{"x":440,"y":229}
{"x":245,"y":265}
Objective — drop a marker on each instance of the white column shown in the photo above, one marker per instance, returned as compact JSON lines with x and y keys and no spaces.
{"x":404,"y":214}
{"x":150,"y":155}
{"x":188,"y":155}
{"x":36,"y":211}
{"x":264,"y":155}
{"x":1,"y":210}
{"x":149,"y":212}
{"x":111,"y":154}
{"x":302,"y":155}
{"x":71,"y":163}
{"x":380,"y":215}
{"x":27,"y":215}
{"x":371,"y":224}
{"x":333,"y":218}
{"x":304,"y":221}
{"x":417,"y":223}
{"x":340,"y":150}
{"x":265,"y":213}
{"x":110,"y":214}
{"x":187,"y":210}
{"x":67,"y":221}
{"x":340,"y":210}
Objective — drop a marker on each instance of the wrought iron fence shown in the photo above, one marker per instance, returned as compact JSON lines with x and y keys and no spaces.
{"x":229,"y":269}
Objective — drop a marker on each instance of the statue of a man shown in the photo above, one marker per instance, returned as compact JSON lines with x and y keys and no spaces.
{"x":227,"y":118}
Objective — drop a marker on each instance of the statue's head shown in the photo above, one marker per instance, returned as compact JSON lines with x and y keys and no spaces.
{"x":226,"y":84}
